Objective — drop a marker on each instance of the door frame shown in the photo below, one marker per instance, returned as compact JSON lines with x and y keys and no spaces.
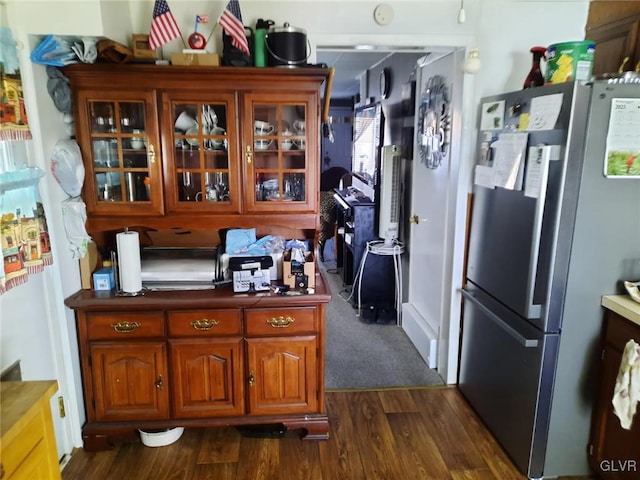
{"x":449,"y":332}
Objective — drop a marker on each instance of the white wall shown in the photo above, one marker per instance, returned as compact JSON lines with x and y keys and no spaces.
{"x":504,"y":30}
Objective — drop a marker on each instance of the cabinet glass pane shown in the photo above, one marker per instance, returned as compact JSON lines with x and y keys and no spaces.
{"x":105,"y":153}
{"x":201,"y":152}
{"x":132,"y":117}
{"x":280,"y":160}
{"x":119,"y":148}
{"x":109,"y":187}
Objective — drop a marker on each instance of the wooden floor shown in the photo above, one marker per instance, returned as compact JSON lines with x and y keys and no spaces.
{"x":405,"y":434}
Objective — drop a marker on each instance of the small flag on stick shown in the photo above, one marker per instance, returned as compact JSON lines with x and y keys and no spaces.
{"x":164,"y":27}
{"x":231,"y":22}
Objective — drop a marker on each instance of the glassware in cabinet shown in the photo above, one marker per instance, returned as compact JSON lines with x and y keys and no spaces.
{"x":202,"y":175}
{"x":121,"y":141}
{"x":279,"y":157}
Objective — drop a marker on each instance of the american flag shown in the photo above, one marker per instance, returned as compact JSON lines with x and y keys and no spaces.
{"x":163,"y":26}
{"x":231,"y":21}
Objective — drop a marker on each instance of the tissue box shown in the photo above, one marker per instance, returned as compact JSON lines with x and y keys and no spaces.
{"x":291,"y":270}
{"x":104,"y":279}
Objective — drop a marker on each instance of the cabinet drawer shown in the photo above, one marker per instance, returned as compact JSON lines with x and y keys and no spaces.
{"x":132,"y":325}
{"x":205,"y":323}
{"x":620,"y":331}
{"x":276,"y":321}
{"x":14,"y":453}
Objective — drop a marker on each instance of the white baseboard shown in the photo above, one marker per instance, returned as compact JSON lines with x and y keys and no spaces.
{"x":423,"y":337}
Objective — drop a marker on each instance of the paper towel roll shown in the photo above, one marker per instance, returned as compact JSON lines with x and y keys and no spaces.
{"x":130,"y":269}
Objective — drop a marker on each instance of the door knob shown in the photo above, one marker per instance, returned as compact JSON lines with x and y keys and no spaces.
{"x":416,"y":219}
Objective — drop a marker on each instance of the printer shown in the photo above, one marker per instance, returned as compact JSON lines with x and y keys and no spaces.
{"x":251,"y":273}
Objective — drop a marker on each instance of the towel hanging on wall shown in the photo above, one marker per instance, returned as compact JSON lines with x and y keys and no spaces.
{"x":626,"y":393}
{"x":13,"y":124}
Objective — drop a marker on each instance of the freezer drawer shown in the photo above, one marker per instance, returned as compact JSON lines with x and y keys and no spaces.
{"x":502,"y":360}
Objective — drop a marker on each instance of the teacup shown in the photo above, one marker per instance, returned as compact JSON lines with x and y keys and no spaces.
{"x":286,"y":144}
{"x":300,"y":144}
{"x":263,"y":128}
{"x":218,"y":142}
{"x":299,"y":126}
{"x":262,"y":144}
{"x":184,"y":122}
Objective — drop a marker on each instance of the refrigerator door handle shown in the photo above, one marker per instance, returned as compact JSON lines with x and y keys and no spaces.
{"x":525,"y":342}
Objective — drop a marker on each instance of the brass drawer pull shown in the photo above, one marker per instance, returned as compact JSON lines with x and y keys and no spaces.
{"x":204,"y":324}
{"x":280,"y":322}
{"x":125,"y":327}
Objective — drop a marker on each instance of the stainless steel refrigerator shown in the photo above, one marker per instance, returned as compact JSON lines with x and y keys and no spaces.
{"x":555,"y":225}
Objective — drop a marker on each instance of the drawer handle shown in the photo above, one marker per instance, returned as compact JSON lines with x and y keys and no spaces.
{"x":160,"y":383}
{"x":125,"y":327}
{"x":204,"y":324}
{"x":280,"y":322}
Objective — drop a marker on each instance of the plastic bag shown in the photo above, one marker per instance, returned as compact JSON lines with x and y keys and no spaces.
{"x":67,"y":167}
{"x":74,"y":215}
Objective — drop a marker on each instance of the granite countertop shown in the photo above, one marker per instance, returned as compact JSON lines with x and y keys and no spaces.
{"x":623,"y":305}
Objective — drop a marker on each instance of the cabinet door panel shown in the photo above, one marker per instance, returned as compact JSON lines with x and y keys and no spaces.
{"x":119,"y":139}
{"x":130,"y":380}
{"x":207,"y":377}
{"x":200,"y":135}
{"x":282,"y":375}
{"x":281,"y":149}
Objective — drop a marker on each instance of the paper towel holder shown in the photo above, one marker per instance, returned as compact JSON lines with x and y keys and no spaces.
{"x":116,"y":272}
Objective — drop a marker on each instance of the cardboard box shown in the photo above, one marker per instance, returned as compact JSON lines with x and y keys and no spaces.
{"x":210,"y":59}
{"x":292,"y":270}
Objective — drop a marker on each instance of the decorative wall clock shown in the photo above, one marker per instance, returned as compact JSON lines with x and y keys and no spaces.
{"x":385,"y":82}
{"x":434,"y":122}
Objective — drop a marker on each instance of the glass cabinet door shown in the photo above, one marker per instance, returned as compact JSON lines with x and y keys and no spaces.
{"x":123,"y":170}
{"x":278,"y":155}
{"x":203,"y":176}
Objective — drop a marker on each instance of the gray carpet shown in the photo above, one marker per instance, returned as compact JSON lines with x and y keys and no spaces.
{"x":360,"y":355}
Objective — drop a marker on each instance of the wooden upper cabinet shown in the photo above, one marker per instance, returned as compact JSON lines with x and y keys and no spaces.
{"x":615,"y":27}
{"x":227,"y":144}
{"x":120,"y":142}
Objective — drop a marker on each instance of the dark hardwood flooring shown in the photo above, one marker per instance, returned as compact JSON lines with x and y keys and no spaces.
{"x":391,"y":434}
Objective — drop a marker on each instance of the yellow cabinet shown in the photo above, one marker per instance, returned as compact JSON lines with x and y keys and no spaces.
{"x":28,"y":448}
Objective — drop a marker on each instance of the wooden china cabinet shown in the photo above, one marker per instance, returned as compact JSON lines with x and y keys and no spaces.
{"x":199,"y":149}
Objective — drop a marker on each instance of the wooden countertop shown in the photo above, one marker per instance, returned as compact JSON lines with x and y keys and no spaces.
{"x":623,"y":305}
{"x":18,"y":398}
{"x":223,"y":297}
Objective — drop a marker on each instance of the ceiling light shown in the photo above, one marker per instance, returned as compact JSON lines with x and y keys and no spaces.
{"x":461,"y":15}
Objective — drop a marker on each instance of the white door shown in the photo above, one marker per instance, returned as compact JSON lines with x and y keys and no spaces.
{"x":434,"y":183}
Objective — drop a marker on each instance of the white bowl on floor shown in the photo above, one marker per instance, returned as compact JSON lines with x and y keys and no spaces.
{"x":162,"y":438}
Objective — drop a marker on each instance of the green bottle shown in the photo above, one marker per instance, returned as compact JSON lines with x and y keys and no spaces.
{"x":260,"y":46}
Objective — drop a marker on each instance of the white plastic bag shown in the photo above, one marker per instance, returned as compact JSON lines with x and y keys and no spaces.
{"x":67,"y":167}
{"x":74,"y":215}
